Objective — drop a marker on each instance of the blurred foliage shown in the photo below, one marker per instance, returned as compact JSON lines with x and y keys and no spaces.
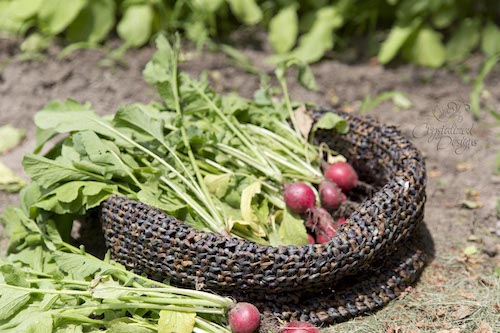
{"x":424,"y":32}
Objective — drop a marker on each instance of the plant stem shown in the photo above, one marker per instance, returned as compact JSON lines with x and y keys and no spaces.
{"x":222,"y":301}
{"x":207,"y":197}
{"x":210,"y":327}
{"x":273,"y":174}
{"x":47,"y":291}
{"x":244,"y":139}
{"x":288,"y":104}
{"x":121,"y":305}
{"x":154,"y":156}
{"x":212,"y":223}
{"x":168,"y":301}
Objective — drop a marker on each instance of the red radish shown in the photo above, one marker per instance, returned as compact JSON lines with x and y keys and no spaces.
{"x":321,"y":238}
{"x":300,"y":327}
{"x":299,"y":197}
{"x":310,"y":239}
{"x":343,"y":174}
{"x":330,"y":195}
{"x":344,"y":197}
{"x":318,"y":218}
{"x":244,"y":318}
{"x":341,"y":220}
{"x":321,"y":223}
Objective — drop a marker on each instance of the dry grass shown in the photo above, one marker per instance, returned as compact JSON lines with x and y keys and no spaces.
{"x":456,"y":294}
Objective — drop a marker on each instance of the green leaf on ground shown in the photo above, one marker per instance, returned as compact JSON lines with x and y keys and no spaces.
{"x":401,"y":101}
{"x":398,"y":98}
{"x":470,"y":250}
{"x":9,"y":181}
{"x":207,"y":5}
{"x":425,"y":48}
{"x":306,"y":77}
{"x":283,"y":29}
{"x":10,"y":137}
{"x":397,"y":37}
{"x":36,"y":42}
{"x":463,"y":41}
{"x":136,"y":24}
{"x":471,"y":204}
{"x":23,"y":9}
{"x":319,"y":39}
{"x":94,"y":22}
{"x":247,"y":11}
{"x":56,"y":15}
{"x":490,"y":44}
{"x":445,"y":15}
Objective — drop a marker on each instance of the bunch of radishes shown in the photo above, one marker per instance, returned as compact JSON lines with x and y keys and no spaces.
{"x":300,"y":198}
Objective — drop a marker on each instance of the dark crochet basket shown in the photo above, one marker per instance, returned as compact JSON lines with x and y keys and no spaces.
{"x":149,"y":241}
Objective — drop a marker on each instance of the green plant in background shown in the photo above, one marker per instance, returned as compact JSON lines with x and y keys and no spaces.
{"x":398,"y":98}
{"x":423,"y":32}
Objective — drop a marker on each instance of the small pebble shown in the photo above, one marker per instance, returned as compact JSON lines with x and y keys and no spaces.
{"x":490,"y":246}
{"x":496,"y":229}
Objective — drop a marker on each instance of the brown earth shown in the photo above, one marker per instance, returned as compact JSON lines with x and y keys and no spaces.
{"x":454,"y":171}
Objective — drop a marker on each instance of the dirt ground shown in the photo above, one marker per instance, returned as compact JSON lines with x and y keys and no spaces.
{"x":458,"y":292}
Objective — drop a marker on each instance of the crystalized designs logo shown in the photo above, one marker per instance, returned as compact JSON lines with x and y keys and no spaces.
{"x":447,"y":129}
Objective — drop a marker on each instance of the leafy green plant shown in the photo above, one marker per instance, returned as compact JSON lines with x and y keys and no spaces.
{"x":398,"y":98}
{"x":47,"y":285}
{"x":201,"y":157}
{"x":427,"y":33}
{"x":478,"y":88}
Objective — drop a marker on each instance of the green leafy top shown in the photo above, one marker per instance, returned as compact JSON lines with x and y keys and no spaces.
{"x":47,"y":285}
{"x":201,"y":157}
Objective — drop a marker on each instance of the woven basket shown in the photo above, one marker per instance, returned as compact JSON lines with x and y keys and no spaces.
{"x":149,"y":241}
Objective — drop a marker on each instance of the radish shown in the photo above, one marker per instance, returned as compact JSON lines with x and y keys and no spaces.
{"x":341,"y":221}
{"x":299,"y":197}
{"x":343,"y":174}
{"x":321,"y":238}
{"x":300,"y":327}
{"x":310,"y":239}
{"x":330,"y":195}
{"x":321,"y":223}
{"x":244,"y":318}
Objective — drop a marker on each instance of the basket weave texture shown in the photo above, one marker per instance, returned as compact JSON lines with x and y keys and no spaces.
{"x":149,"y":241}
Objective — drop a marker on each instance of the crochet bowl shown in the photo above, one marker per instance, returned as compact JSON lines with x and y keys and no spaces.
{"x":372,"y":251}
